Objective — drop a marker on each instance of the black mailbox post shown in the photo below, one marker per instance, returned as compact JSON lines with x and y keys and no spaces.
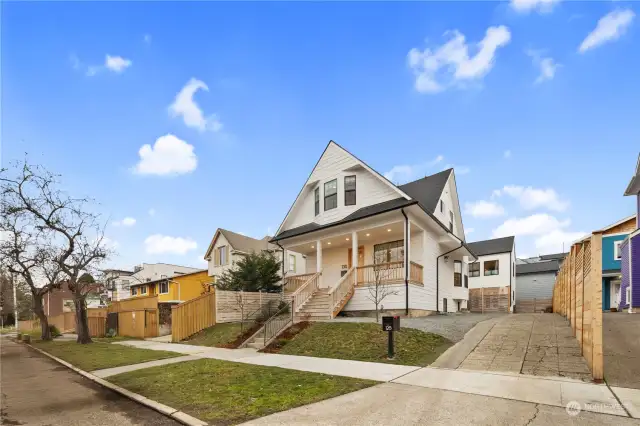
{"x":391,"y":324}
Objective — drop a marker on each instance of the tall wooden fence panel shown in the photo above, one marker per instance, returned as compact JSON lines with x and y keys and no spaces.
{"x":491,"y":299}
{"x":234,"y":306}
{"x":193,"y":316}
{"x":577,"y":295}
{"x":97,"y":326}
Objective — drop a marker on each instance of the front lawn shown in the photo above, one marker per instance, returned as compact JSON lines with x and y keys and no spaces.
{"x":361,"y":342}
{"x":222,"y":392}
{"x":223,"y":335}
{"x":97,"y":355}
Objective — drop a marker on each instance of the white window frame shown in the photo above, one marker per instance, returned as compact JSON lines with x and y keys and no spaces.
{"x":292,"y":263}
{"x":160,"y":287}
{"x":223,"y":255}
{"x":134,"y":291}
{"x":617,"y":253}
{"x":143,"y":289}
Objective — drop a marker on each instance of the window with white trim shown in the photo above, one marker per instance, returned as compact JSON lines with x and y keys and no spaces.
{"x":316,"y":197}
{"x":350,"y":190}
{"x":457,"y":273}
{"x":474,"y":269}
{"x":143,"y":289}
{"x":292,"y":263}
{"x":331,"y":195}
{"x":617,"y":253}
{"x":164,"y":287}
{"x":134,"y":291}
{"x":491,"y":267}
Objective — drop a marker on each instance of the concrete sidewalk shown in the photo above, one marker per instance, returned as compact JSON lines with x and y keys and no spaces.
{"x":337,"y":367}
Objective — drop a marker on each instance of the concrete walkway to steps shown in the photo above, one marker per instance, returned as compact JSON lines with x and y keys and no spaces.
{"x":555,"y":391}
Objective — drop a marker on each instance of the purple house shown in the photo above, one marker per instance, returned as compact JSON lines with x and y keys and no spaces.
{"x":630,"y":251}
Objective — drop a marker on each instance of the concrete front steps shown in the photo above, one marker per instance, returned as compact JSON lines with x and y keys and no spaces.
{"x":256,"y":342}
{"x":316,"y":308}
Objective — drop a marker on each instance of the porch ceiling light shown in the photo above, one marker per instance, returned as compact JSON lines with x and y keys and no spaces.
{"x":347,"y":239}
{"x":329,"y":243}
{"x":389,"y":230}
{"x":368,"y":235}
{"x":311,"y":246}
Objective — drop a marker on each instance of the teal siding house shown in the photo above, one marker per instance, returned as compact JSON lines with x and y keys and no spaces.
{"x":612,"y":239}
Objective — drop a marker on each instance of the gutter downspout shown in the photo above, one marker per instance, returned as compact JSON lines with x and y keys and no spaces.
{"x":282,"y":286}
{"x":438,"y":275}
{"x":406,"y":264}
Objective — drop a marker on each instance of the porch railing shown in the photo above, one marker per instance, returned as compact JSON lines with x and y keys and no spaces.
{"x":305,"y":291}
{"x":277,"y":323}
{"x":294,"y":282}
{"x":389,"y":273}
{"x":339,"y":293}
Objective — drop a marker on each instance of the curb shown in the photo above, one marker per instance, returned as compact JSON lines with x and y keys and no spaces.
{"x":175,"y":414}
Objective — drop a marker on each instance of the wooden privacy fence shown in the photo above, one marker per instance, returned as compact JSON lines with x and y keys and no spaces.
{"x":66,"y":322}
{"x":193,"y":316}
{"x":577,"y":295}
{"x":493,"y":299}
{"x":533,"y":305}
{"x":141,"y":323}
{"x":232,"y":306}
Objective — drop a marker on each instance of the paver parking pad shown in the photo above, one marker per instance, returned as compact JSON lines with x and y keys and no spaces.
{"x":535,"y":344}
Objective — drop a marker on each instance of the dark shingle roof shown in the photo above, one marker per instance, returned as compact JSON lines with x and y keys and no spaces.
{"x":358,"y":214}
{"x":555,"y":256}
{"x":427,"y":190}
{"x":537,"y":267}
{"x":497,"y":245}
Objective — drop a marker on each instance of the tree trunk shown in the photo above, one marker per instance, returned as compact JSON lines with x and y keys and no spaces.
{"x":82,"y":324}
{"x":38,"y":309}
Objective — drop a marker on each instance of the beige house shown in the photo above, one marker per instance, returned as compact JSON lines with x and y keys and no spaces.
{"x":360,"y":232}
{"x":227,"y":247}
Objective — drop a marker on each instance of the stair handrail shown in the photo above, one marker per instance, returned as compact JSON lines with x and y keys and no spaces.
{"x":344,"y":286}
{"x":278,"y":322}
{"x":293,"y":280}
{"x":306,"y":290}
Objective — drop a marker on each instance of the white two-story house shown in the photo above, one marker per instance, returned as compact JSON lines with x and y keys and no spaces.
{"x":360,"y":232}
{"x":492,"y":277}
{"x":227,"y":247}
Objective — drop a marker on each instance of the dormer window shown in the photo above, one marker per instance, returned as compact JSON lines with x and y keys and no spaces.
{"x":349,"y":190}
{"x":316,"y":196}
{"x":331,"y":195}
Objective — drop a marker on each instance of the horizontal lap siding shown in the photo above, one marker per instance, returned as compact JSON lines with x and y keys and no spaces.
{"x":228,"y":308}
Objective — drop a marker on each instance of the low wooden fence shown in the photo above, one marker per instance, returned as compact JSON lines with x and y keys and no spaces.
{"x":577,"y":295}
{"x":493,"y":299}
{"x":232,"y":306}
{"x":534,"y":305}
{"x":193,"y":316}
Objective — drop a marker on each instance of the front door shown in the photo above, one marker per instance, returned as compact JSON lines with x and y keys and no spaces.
{"x":360,"y":262}
{"x":606,"y":293}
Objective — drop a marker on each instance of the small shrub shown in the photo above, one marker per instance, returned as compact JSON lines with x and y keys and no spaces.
{"x":54,"y":331}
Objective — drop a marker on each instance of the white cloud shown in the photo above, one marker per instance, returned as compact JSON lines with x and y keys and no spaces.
{"x":557,"y":241}
{"x":531,"y":198}
{"x":184,"y":105}
{"x":536,"y":224}
{"x":404,"y":173}
{"x":484,"y":209}
{"x":160,"y":244}
{"x":610,"y":27}
{"x":117,"y":64}
{"x":546,"y":65}
{"x":152,"y":212}
{"x":127,"y":221}
{"x":450,"y":64}
{"x":526,"y":6}
{"x":507,"y":153}
{"x":168,"y":156}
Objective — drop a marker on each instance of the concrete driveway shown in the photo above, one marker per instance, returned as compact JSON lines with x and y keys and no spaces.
{"x":534,"y":344}
{"x":621,"y":341}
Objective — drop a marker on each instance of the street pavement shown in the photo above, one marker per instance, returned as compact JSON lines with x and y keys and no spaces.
{"x":38,"y":391}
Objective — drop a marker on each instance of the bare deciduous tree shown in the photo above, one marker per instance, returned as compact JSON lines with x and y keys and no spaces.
{"x":66,"y":227}
{"x":380,"y":289}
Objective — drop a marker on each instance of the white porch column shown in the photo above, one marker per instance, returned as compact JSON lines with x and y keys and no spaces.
{"x":354,"y":252}
{"x":407,"y":257}
{"x":319,"y":260}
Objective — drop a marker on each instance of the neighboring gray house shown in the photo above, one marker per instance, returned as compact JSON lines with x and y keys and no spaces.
{"x":535,"y":285}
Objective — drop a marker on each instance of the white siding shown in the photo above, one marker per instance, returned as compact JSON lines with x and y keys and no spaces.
{"x":449,"y":198}
{"x":370,"y":189}
{"x":361,"y":299}
{"x":218,"y":270}
{"x":422,"y":298}
{"x":500,"y":280}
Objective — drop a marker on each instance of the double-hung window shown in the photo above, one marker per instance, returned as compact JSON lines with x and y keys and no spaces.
{"x":491,"y":267}
{"x":450,"y":221}
{"x":349,"y":190}
{"x":617,"y":253}
{"x":164,"y":287}
{"x":292,"y":263}
{"x":389,"y":252}
{"x":331,"y":195}
{"x":134,"y":291}
{"x":143,"y":289}
{"x":316,"y":197}
{"x":474,"y":269}
{"x":457,"y":273}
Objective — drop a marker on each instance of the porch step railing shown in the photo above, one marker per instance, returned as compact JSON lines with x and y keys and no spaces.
{"x":305,"y":291}
{"x":415,"y":273}
{"x":341,"y":293}
{"x":294,"y":282}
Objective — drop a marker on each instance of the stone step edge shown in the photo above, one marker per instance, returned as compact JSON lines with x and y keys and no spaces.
{"x":171,"y":412}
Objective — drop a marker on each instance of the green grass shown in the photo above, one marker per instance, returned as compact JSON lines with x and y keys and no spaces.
{"x":219,"y":335}
{"x":222,"y":392}
{"x":96,"y":356}
{"x":364,"y":342}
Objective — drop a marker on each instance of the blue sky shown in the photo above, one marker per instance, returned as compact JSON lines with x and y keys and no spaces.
{"x":534,"y":104}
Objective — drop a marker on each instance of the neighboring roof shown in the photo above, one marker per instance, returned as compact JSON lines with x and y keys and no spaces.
{"x":239,"y":242}
{"x":427,"y":190}
{"x":555,"y":256}
{"x":169,"y":278}
{"x":613,"y":225}
{"x":634,"y":185}
{"x":537,"y":267}
{"x":497,"y":245}
{"x":358,"y":214}
{"x":121,"y":271}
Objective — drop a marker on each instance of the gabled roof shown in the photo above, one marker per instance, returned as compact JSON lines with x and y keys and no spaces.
{"x":554,"y":256}
{"x":495,"y":246}
{"x":427,"y":191}
{"x":621,"y":221}
{"x":538,"y":267}
{"x":634,"y":185}
{"x":239,"y":242}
